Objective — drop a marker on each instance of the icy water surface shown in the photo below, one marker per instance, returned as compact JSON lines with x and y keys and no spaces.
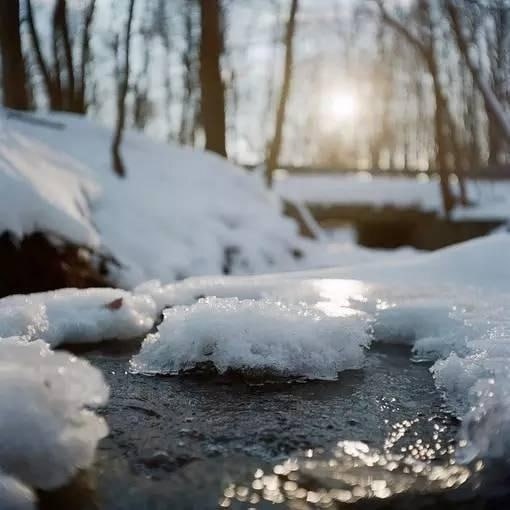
{"x":188,"y":443}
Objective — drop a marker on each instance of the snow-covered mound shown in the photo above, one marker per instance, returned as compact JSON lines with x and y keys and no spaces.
{"x":47,"y":429}
{"x":179,"y":212}
{"x":261,"y":337}
{"x":77,"y":316}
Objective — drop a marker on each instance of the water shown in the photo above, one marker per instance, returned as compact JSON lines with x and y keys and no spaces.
{"x":202,"y":443}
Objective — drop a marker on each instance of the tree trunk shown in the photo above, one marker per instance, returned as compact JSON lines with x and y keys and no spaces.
{"x":62,"y":42}
{"x":276,"y":143}
{"x":80,"y":102}
{"x":122,"y":89}
{"x":492,"y":105}
{"x":441,"y":133}
{"x":14,"y":78}
{"x":212,"y":86}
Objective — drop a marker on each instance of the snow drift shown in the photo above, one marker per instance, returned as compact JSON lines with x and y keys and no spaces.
{"x":47,"y":428}
{"x":179,"y":212}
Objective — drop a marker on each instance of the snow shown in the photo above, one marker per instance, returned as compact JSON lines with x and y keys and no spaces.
{"x":14,"y":495}
{"x":256,"y":336}
{"x":179,"y":212}
{"x":491,"y":199}
{"x":42,"y":190}
{"x":480,"y":263}
{"x":452,"y":307}
{"x":77,"y":316}
{"x":48,"y":430}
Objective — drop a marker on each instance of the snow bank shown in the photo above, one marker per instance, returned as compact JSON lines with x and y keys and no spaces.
{"x":491,"y":199}
{"x":260,"y":337}
{"x":47,"y":430}
{"x":77,"y":316}
{"x":480,"y":263}
{"x":179,"y":212}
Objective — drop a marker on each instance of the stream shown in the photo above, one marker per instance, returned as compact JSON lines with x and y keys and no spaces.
{"x":207,"y":443}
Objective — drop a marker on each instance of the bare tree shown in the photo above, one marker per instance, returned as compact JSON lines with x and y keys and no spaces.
{"x":80,"y":91}
{"x":492,"y":103}
{"x":122,"y":90}
{"x":68,"y":94}
{"x":14,"y":78}
{"x":276,"y":142}
{"x":425,"y":46}
{"x":211,"y":83}
{"x":190,"y":116}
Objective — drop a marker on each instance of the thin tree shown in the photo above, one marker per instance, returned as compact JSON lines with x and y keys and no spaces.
{"x":424,"y":44}
{"x":493,"y":106}
{"x":63,"y":94}
{"x":276,"y":142}
{"x":80,"y":101}
{"x":122,"y":90}
{"x":14,"y":78}
{"x":211,"y":84}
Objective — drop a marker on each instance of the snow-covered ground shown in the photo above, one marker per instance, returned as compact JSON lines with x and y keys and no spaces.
{"x":48,"y":430}
{"x":491,"y":200}
{"x":179,"y":212}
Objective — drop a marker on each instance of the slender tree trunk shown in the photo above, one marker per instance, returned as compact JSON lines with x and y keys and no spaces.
{"x":122,"y":89}
{"x":62,"y":42}
{"x":276,"y":143}
{"x":14,"y":78}
{"x":211,"y":84}
{"x":492,"y":104}
{"x":441,"y":133}
{"x":80,"y":102}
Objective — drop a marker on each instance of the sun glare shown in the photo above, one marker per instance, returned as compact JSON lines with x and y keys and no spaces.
{"x":343,"y":106}
{"x":339,"y":106}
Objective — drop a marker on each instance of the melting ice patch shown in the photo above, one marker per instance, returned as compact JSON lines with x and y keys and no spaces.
{"x":259,"y":336}
{"x":48,"y":430}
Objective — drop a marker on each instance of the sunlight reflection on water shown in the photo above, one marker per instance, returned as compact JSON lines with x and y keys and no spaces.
{"x":353,"y":472}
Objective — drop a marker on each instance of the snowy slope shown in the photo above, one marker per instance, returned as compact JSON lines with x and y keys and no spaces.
{"x":491,"y":200}
{"x":179,"y":212}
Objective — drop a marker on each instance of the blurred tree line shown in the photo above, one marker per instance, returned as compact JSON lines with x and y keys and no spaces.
{"x":246,"y":79}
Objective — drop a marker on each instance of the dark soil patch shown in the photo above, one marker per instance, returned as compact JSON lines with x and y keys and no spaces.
{"x":34,"y":264}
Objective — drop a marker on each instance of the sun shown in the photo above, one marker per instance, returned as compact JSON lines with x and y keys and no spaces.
{"x":339,"y":106}
{"x":343,"y":106}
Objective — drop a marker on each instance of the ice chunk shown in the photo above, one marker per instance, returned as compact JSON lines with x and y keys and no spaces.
{"x":264,"y":336}
{"x":77,"y":316}
{"x":48,"y":430}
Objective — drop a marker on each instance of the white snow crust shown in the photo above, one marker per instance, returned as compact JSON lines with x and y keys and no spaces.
{"x":48,"y":430}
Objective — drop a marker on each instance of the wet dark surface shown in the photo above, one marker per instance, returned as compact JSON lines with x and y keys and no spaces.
{"x":180,"y":442}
